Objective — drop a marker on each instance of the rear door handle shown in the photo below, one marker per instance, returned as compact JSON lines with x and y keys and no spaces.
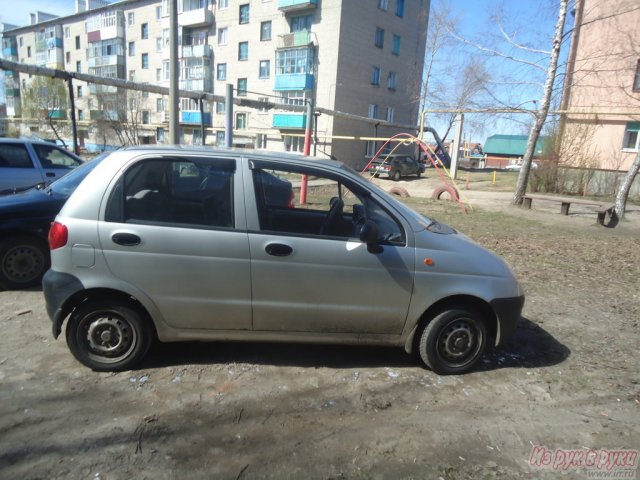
{"x":50,"y":174}
{"x":278,"y":249}
{"x":126,"y":239}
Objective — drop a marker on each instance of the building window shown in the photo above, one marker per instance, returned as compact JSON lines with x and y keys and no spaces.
{"x":383,"y":5}
{"x":243,"y":51}
{"x":79,"y":91}
{"x":79,"y":66}
{"x":400,"y":8}
{"x":158,"y":13}
{"x":222,"y":36}
{"x":636,"y":79}
{"x":395,"y":49}
{"x":244,"y":13}
{"x":222,"y":4}
{"x":301,"y":23}
{"x":391,"y":81}
{"x":241,"y":121}
{"x":294,"y":60}
{"x":632,"y":137}
{"x":90,"y":103}
{"x":293,"y":144}
{"x":242,"y":87}
{"x":159,"y":134}
{"x":261,"y":141}
{"x":375,"y":76}
{"x":67,"y":32}
{"x":265,"y":69}
{"x":80,"y":115}
{"x":390,"y":113}
{"x":145,"y":61}
{"x":221,"y":71}
{"x":68,"y":57}
{"x":144,"y":31}
{"x":158,"y":74}
{"x":145,"y":93}
{"x":265,"y":31}
{"x":29,"y":52}
{"x":263,"y":109}
{"x":159,"y":44}
{"x":379,"y":39}
{"x":220,"y":107}
{"x":132,"y":75}
{"x":132,"y":49}
{"x":131,"y":19}
{"x":145,"y":117}
{"x":159,"y":105}
{"x":371,"y":148}
{"x":373,"y":111}
{"x":77,"y":42}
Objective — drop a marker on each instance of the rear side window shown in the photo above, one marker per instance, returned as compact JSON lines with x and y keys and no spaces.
{"x":52,"y":157}
{"x":14,"y":156}
{"x":182,"y":192}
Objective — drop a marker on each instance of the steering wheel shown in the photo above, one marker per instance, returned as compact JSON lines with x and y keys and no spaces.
{"x":329,"y":223}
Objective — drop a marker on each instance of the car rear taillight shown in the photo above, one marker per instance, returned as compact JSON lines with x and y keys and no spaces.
{"x":58,"y":235}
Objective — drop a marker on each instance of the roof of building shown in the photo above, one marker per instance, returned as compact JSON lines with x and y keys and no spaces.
{"x":511,"y":145}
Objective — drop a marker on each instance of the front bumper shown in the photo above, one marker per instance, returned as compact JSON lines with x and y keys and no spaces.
{"x":58,"y":288}
{"x":508,"y":312}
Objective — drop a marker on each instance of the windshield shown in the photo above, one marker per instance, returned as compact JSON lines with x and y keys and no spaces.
{"x":67,"y":184}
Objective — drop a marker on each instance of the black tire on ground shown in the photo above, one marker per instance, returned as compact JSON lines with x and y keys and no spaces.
{"x":419,"y":173}
{"x":23,"y":261}
{"x":450,"y":191}
{"x":453,"y":342}
{"x":396,"y":175}
{"x":108,"y":335}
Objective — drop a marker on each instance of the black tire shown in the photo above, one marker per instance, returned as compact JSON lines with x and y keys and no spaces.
{"x":396,"y":175}
{"x":419,"y":173}
{"x":453,"y":342}
{"x":108,"y":336}
{"x":23,"y":261}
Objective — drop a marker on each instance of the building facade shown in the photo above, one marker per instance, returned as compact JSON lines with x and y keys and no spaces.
{"x":603,"y":84}
{"x":363,"y":58}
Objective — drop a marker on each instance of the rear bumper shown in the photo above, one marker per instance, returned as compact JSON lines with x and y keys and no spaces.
{"x":508,"y":312}
{"x":58,"y":288}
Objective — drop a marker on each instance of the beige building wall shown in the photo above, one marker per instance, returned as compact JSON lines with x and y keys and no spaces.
{"x":606,"y":68}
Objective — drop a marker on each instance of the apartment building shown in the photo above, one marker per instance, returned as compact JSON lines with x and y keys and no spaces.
{"x":603,"y":85}
{"x":360,"y":57}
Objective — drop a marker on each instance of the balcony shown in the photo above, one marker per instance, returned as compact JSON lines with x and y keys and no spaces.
{"x":9,"y":52}
{"x":196,"y":18}
{"x":287,"y":6}
{"x":196,"y":85}
{"x":110,"y":115}
{"x":195,"y":51}
{"x":56,"y":114}
{"x":194,"y":118}
{"x":295,"y":39}
{"x":289,"y":121}
{"x":12,"y":92}
{"x":106,"y":60}
{"x":294,"y":81}
{"x":100,"y":89}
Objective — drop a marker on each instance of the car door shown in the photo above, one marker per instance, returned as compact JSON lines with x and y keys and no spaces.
{"x":17,"y":169}
{"x":310,"y":272}
{"x":55,"y":162}
{"x":173,"y":232}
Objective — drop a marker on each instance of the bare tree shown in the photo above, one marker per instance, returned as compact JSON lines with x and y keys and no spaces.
{"x":47,"y":99}
{"x":625,"y":187}
{"x":121,"y":118}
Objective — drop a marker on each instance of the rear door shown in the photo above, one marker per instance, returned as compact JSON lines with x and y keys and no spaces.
{"x":175,"y":230}
{"x":17,"y":169}
{"x":55,"y":162}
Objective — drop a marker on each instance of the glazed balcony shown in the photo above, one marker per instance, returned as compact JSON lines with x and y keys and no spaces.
{"x":287,"y":6}
{"x":290,"y":121}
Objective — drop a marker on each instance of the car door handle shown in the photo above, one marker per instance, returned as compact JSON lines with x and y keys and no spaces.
{"x":278,"y":249}
{"x":50,"y":174}
{"x":126,"y":239}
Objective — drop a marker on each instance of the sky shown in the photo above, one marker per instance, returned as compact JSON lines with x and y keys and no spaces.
{"x":529,"y":21}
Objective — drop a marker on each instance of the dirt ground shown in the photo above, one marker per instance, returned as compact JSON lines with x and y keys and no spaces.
{"x":568,"y":380}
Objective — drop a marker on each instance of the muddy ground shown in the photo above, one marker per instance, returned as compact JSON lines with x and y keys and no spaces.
{"x":569,"y":379}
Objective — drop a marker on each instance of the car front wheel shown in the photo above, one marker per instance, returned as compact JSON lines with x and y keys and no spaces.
{"x":396,"y":175}
{"x":108,"y":336}
{"x":23,"y":261}
{"x":453,"y":342}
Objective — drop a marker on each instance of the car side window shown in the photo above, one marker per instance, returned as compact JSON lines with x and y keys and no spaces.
{"x":15,"y":156}
{"x":52,"y":157}
{"x":190,"y":192}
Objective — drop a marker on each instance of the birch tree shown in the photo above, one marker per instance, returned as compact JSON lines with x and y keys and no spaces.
{"x":623,"y":192}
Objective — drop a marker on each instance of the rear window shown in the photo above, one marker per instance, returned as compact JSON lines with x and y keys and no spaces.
{"x":14,"y":156}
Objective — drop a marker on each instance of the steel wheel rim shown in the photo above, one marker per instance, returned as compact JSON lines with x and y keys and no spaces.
{"x":459,"y":342}
{"x":108,"y":337}
{"x":23,"y":263}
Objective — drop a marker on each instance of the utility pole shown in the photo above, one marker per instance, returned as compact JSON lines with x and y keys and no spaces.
{"x":455,"y":146}
{"x":74,"y":127}
{"x":174,"y":74}
{"x":307,"y":150}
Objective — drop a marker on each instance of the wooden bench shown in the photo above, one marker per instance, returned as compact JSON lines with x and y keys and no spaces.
{"x":602,"y":209}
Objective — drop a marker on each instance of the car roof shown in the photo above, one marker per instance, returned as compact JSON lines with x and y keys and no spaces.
{"x":26,"y":140}
{"x":277,"y":157}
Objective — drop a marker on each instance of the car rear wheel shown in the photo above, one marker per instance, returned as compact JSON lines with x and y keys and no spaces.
{"x":396,"y":175}
{"x":108,"y":335}
{"x":453,"y":342}
{"x":23,"y":261}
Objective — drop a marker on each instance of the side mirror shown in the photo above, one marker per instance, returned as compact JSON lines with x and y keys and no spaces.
{"x":369,"y":235}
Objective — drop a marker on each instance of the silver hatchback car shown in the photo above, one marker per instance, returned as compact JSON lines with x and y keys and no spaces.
{"x":182,"y":244}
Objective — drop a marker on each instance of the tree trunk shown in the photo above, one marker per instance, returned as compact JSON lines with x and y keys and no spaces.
{"x":623,"y":192}
{"x":541,"y":114}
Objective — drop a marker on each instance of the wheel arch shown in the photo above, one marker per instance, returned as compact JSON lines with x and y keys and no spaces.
{"x":96,"y":294}
{"x":454,"y":301}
